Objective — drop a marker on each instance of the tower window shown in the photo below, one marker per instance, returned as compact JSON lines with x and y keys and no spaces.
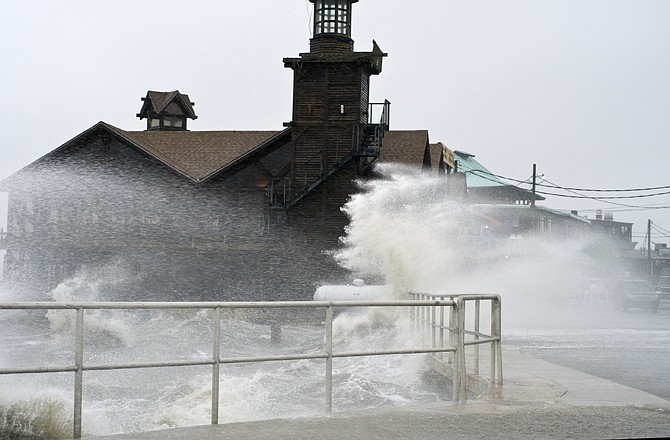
{"x":332,"y":17}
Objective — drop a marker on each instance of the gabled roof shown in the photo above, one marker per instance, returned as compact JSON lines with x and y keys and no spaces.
{"x":197,"y":155}
{"x":200,"y":154}
{"x":483,"y":184}
{"x":476,"y":174}
{"x":435,"y":155}
{"x":441,"y":156}
{"x":405,"y":146}
{"x":156,"y":103}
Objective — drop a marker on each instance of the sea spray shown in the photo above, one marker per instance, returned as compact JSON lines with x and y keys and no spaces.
{"x":102,"y":325}
{"x":408,"y":230}
{"x":42,"y":418}
{"x":400,"y":229}
{"x":36,"y":419}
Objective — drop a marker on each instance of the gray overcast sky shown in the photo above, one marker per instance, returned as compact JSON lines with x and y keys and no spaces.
{"x":579,"y":87}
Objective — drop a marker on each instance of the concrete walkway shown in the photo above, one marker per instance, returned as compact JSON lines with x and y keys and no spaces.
{"x":539,"y":400}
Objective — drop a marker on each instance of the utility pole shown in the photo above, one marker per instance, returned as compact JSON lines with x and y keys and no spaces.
{"x":651,"y":266}
{"x":532,"y":200}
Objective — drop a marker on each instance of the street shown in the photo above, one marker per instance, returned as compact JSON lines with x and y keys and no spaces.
{"x":630,"y":348}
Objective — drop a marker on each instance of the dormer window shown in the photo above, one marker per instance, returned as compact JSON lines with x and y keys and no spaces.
{"x":332,"y":17}
{"x":173,"y":121}
{"x":166,"y":122}
{"x":166,"y":110}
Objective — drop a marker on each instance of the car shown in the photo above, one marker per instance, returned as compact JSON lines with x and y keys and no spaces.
{"x":663,"y":287}
{"x":639,"y":294}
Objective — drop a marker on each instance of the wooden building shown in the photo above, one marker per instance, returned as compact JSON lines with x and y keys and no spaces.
{"x":170,"y":213}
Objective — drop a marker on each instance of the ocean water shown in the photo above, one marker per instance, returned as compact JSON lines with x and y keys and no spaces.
{"x":157,"y":398}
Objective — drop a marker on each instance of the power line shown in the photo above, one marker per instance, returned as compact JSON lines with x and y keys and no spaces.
{"x":642,"y":207}
{"x":638,"y":196}
{"x":575,"y":195}
{"x":660,"y":229}
{"x":567,"y":188}
{"x":606,"y":199}
{"x":651,"y":188}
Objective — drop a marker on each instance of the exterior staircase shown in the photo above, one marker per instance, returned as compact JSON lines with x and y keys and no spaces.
{"x":367,"y":139}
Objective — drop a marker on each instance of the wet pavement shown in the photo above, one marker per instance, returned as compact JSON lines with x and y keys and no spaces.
{"x":627,"y":347}
{"x":539,"y":400}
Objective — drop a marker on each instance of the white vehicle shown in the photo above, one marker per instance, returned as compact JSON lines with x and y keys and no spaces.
{"x":356,"y":291}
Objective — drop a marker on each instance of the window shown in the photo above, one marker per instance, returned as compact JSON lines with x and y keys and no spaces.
{"x":167,"y":122}
{"x":173,"y":121}
{"x":332,"y":17}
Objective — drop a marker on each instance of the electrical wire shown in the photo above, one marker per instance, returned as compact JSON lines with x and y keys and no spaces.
{"x":661,"y":230}
{"x":567,"y":188}
{"x":665,"y":230}
{"x":575,"y":195}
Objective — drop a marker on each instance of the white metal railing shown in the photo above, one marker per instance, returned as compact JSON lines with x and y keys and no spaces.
{"x":460,"y":330}
{"x":454,"y":346}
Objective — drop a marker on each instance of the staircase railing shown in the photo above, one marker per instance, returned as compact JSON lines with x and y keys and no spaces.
{"x":366,"y":142}
{"x":282,"y":191}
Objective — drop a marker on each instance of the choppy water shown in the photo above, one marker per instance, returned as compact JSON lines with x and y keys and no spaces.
{"x":149,"y":399}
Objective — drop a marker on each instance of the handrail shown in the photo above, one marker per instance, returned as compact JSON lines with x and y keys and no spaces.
{"x":454,"y":347}
{"x":385,"y":118}
{"x":457,"y":329}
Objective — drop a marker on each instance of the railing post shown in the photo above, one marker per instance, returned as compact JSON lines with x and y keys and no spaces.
{"x":496,"y":348}
{"x":79,"y":373}
{"x":476,"y":348}
{"x":460,"y":352}
{"x":433,"y":323}
{"x":216,"y":355}
{"x":329,"y":359}
{"x":453,"y":322}
{"x":441,"y":328}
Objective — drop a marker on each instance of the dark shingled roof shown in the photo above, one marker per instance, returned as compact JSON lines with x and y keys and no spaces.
{"x":435,"y":156}
{"x":156,"y":102}
{"x":407,"y":147}
{"x":197,"y":154}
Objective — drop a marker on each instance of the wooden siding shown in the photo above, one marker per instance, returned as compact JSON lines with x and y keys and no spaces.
{"x":97,"y":206}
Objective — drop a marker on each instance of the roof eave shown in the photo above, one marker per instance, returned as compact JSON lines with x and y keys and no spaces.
{"x":241,"y":158}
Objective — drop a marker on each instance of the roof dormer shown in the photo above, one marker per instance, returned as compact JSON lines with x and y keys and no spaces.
{"x":166,"y":110}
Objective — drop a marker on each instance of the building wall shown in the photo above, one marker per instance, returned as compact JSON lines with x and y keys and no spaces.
{"x":151,"y":234}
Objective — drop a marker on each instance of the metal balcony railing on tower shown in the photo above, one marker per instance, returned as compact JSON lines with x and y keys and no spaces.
{"x":371,"y":134}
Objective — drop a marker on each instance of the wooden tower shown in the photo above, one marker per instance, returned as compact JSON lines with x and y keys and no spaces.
{"x":333,"y":122}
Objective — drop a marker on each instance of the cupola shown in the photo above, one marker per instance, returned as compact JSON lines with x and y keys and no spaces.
{"x":167,"y":110}
{"x":332,"y":26}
